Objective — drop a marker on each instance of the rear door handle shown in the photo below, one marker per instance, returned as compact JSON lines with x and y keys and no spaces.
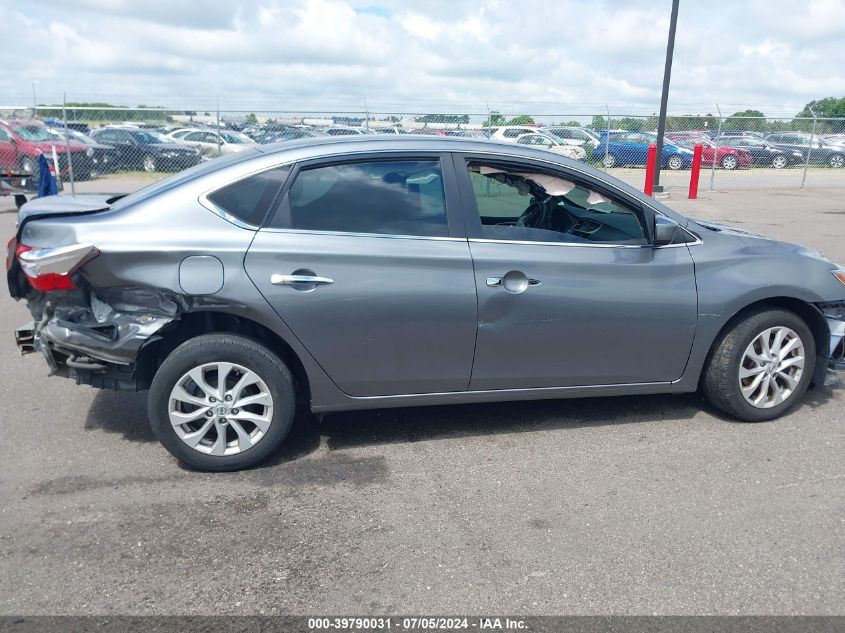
{"x":289,"y":280}
{"x":495,"y":282}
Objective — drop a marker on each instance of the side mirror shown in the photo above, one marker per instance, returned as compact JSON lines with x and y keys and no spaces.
{"x":665,"y":231}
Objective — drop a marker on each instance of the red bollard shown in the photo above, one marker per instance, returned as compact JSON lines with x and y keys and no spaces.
{"x":694,"y":172}
{"x":648,"y":189}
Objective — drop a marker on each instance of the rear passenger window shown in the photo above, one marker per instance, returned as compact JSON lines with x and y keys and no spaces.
{"x":249,"y":199}
{"x":393,"y":197}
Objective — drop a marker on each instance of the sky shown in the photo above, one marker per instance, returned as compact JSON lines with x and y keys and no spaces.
{"x":427,"y":56}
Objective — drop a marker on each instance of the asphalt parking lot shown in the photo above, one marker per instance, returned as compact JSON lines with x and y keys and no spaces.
{"x":630,"y":505}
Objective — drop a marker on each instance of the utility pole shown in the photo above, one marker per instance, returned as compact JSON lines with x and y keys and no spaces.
{"x":664,"y":99}
{"x":34,"y":102}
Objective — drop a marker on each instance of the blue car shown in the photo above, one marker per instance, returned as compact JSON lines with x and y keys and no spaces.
{"x":631,"y":148}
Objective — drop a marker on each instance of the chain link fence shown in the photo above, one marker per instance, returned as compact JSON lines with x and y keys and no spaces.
{"x":738,"y":152}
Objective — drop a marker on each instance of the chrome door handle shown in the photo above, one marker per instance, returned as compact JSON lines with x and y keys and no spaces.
{"x":289,"y":280}
{"x":493,"y":282}
{"x":514,"y":282}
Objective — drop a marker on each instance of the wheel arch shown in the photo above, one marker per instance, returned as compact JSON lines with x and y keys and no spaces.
{"x":809,"y":313}
{"x":193,"y":324}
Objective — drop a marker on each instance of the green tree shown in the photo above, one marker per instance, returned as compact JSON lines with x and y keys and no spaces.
{"x":251,"y":119}
{"x":570,"y":124}
{"x":827,"y":108}
{"x":747,"y":120}
{"x":495,"y":118}
{"x":443,"y":118}
{"x":521,"y":119}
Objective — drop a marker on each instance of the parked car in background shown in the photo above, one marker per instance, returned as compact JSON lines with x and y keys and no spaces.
{"x":587,"y":139}
{"x":763,"y":153}
{"x":821,"y":152}
{"x":723,"y":156}
{"x":104,"y":158}
{"x":509,"y":133}
{"x":631,"y":148}
{"x":142,"y":149}
{"x":341,"y":274}
{"x":22,"y":141}
{"x":553,"y":144}
{"x":342,"y":130}
{"x":278,"y":134}
{"x":212,"y":143}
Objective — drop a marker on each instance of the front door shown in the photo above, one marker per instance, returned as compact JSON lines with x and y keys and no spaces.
{"x":363,"y":263}
{"x":570,"y":290}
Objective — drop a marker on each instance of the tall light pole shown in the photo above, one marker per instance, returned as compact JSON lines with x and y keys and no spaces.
{"x":664,"y":99}
{"x":34,"y":103}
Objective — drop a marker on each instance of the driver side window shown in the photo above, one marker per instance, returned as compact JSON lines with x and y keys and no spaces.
{"x":521,"y":204}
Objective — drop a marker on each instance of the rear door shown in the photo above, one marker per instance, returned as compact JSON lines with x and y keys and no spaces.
{"x":570,"y":290}
{"x":365,"y":262}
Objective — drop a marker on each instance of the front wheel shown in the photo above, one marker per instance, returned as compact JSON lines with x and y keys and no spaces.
{"x":762,"y":366}
{"x":221,"y":402}
{"x":779,"y":162}
{"x":675,"y":162}
{"x":837,"y":161}
{"x":609,"y":161}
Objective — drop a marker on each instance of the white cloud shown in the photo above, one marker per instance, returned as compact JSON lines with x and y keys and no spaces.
{"x":437,"y":54}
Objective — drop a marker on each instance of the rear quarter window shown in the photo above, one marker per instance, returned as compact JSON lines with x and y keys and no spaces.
{"x":249,"y":199}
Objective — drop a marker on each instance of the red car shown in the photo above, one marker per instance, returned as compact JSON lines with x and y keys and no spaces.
{"x":23,"y":141}
{"x":724,"y":156}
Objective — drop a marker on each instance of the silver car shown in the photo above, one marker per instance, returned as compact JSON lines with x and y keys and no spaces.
{"x":368,"y":272}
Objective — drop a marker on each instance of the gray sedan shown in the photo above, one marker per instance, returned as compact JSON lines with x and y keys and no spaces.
{"x":369,"y":272}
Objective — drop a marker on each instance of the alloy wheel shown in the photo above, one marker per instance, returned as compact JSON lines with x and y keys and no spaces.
{"x":609,"y":161}
{"x":729,"y":162}
{"x":149,"y":163}
{"x":771,"y":367}
{"x":837,"y":161}
{"x":220,"y":408}
{"x":779,"y":162}
{"x":675,"y":162}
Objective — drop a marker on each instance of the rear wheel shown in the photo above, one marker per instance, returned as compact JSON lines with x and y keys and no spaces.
{"x":762,"y":366}
{"x":837,"y":161}
{"x":149,"y":163}
{"x":779,"y":162}
{"x":609,"y":161}
{"x":221,"y":402}
{"x":730,"y":162}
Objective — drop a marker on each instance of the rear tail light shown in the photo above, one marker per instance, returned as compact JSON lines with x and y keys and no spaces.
{"x":49,"y":269}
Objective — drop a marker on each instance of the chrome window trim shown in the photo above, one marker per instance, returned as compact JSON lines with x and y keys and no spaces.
{"x":484,"y":240}
{"x":434,"y":238}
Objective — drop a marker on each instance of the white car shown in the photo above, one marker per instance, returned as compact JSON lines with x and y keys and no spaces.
{"x":212,"y":143}
{"x":553,"y":144}
{"x":508,"y":133}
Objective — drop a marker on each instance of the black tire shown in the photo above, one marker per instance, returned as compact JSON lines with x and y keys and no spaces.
{"x":720,"y":380}
{"x":223,"y":347}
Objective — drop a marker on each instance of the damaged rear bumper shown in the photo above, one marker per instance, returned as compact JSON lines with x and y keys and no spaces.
{"x":96,"y":344}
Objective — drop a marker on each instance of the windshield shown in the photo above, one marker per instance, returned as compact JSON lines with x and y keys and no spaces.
{"x":34,"y":133}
